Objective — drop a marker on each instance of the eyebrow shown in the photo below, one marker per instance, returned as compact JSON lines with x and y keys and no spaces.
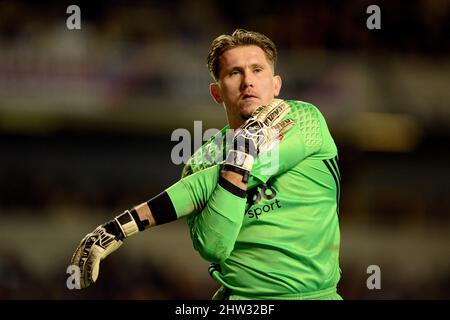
{"x":253,"y":66}
{"x":257,"y":65}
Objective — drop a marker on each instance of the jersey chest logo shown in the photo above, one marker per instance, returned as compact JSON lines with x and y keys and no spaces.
{"x":256,"y":195}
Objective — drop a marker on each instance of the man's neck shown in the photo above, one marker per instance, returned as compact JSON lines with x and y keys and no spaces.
{"x":235,"y":123}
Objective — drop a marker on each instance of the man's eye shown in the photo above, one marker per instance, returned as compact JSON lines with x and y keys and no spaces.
{"x":257,"y":70}
{"x":235,"y":72}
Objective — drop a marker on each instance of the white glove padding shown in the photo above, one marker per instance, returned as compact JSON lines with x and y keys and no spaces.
{"x":98,"y":244}
{"x":260,"y":133}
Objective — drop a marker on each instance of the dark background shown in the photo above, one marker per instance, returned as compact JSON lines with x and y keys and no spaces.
{"x":86,"y":118}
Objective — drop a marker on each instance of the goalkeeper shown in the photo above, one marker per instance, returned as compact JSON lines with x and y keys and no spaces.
{"x":267,"y":216}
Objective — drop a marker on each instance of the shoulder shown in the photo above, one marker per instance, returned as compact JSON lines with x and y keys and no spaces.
{"x":312,"y":125}
{"x":306,"y":115}
{"x":302,"y":107}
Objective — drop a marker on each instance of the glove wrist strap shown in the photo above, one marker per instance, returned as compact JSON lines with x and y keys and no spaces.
{"x":127,"y":223}
{"x":239,"y":162}
{"x":244,"y":173}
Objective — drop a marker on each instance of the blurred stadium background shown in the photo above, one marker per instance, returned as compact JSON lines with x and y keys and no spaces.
{"x":86,"y":118}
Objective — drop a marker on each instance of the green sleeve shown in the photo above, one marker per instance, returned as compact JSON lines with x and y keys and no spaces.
{"x":214,"y":214}
{"x":190,"y":194}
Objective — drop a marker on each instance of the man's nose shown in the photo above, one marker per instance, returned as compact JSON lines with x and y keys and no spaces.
{"x":247,"y":80}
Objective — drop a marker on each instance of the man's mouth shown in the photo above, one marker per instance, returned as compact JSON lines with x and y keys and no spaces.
{"x":248,"y":97}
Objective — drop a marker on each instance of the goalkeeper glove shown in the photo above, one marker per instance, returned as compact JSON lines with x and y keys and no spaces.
{"x":258,"y":134}
{"x":104,"y":240}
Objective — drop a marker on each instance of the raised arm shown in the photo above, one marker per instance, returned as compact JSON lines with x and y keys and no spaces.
{"x":217,"y":194}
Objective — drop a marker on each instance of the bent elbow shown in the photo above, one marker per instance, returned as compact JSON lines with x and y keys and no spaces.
{"x":216,"y":252}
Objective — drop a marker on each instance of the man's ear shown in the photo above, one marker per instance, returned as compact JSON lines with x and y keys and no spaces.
{"x":215,"y":92}
{"x":277,"y":85}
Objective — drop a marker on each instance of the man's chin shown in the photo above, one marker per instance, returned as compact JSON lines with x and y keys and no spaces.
{"x":246,"y":115}
{"x":246,"y":111}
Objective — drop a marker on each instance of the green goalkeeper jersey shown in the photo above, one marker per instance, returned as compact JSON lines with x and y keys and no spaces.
{"x":282,"y":240}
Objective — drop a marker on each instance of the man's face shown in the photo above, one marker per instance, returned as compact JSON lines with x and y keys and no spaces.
{"x":245,"y":82}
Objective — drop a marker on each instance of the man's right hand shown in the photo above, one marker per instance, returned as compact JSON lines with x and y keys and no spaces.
{"x":101,"y":242}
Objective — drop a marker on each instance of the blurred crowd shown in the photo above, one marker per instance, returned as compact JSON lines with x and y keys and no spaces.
{"x":417,"y":27}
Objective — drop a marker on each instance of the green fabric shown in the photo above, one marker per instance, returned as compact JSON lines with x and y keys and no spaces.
{"x":215,"y":230}
{"x":325,"y":294}
{"x":284,"y":240}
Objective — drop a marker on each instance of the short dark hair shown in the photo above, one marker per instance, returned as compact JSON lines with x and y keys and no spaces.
{"x":238,"y":38}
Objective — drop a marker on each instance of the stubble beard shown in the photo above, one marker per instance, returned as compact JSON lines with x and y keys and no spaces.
{"x":247,"y":112}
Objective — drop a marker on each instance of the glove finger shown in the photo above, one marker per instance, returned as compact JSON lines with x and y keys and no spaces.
{"x":80,"y":263}
{"x":251,"y":122}
{"x":85,"y":271}
{"x":274,"y":115}
{"x":83,"y":259}
{"x":257,"y":111}
{"x":269,"y":114}
{"x":93,"y":263}
{"x":284,"y":126}
{"x":89,"y":267}
{"x":260,"y":114}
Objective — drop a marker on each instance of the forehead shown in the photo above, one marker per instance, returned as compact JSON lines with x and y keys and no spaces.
{"x":243,"y":55}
